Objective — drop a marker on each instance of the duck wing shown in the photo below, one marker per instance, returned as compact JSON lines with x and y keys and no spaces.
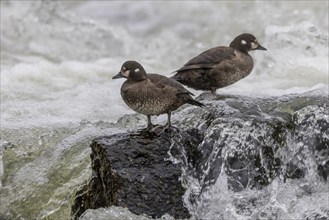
{"x":163,"y":82}
{"x":173,"y":90}
{"x":209,"y":59}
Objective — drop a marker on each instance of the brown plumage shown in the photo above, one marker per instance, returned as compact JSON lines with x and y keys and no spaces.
{"x":152,"y":94}
{"x":220,"y":66}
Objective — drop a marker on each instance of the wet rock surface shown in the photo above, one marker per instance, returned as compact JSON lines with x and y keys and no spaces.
{"x":138,"y":171}
{"x":252,"y":140}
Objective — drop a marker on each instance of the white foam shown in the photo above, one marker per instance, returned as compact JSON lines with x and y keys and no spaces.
{"x":42,"y":94}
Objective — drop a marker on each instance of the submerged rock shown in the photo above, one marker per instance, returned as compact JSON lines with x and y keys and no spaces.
{"x":251,"y":140}
{"x":256,"y":140}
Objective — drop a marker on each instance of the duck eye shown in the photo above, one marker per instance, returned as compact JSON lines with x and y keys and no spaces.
{"x":137,"y":70}
{"x":243,"y":42}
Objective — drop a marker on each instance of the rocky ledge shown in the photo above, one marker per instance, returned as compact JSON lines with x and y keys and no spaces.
{"x":253,"y":140}
{"x":138,"y":171}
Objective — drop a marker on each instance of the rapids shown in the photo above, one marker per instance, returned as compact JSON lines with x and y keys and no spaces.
{"x":57,"y":61}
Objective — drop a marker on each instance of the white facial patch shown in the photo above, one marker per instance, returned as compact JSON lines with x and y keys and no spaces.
{"x":243,"y":42}
{"x":137,"y":70}
{"x":125,"y":72}
{"x":254,"y":45}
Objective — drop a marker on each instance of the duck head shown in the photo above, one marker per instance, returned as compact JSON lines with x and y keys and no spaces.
{"x":131,"y":70}
{"x":246,"y":42}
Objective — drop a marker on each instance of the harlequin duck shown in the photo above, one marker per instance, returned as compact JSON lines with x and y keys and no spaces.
{"x":220,"y":66}
{"x":152,"y":94}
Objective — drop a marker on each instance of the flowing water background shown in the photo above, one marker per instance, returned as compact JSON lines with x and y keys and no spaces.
{"x":57,"y":61}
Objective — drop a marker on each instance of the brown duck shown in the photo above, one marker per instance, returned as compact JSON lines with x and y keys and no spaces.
{"x":152,"y":94}
{"x":220,"y":66}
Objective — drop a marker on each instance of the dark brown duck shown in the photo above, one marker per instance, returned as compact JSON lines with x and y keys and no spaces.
{"x":152,"y":94}
{"x":220,"y":66}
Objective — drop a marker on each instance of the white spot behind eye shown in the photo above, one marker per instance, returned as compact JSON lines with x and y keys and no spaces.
{"x":137,"y":70}
{"x":243,"y":42}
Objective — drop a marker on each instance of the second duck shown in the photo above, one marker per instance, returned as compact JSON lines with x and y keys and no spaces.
{"x":220,"y":66}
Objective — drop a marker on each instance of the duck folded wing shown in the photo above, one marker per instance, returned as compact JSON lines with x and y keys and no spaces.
{"x":162,"y":82}
{"x":209,"y":58}
{"x":195,"y":66}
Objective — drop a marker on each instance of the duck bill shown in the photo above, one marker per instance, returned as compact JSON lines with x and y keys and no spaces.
{"x":260,"y":47}
{"x":119,"y":75}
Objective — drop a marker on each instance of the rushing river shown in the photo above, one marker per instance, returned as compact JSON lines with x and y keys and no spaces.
{"x":57,"y":61}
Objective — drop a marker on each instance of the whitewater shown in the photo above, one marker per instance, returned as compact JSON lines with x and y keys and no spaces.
{"x":57,"y":93}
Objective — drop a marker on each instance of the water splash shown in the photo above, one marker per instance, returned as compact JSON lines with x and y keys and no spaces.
{"x":258,"y":165}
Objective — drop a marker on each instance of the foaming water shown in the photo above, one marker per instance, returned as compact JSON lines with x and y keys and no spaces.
{"x":44,"y":93}
{"x":293,"y":199}
{"x":303,"y":194}
{"x":58,"y":58}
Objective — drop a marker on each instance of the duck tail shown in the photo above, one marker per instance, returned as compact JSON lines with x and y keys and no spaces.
{"x":176,"y":77}
{"x":194,"y":102}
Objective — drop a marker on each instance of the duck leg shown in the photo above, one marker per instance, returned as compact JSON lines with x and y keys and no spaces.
{"x":213,"y":91}
{"x":168,"y":122}
{"x":149,"y":122}
{"x":216,"y":96}
{"x":165,"y":127}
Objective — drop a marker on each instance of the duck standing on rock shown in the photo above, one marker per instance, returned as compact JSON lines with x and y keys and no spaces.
{"x":152,"y":94}
{"x":220,"y":66}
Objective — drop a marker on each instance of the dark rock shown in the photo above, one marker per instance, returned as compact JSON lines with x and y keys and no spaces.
{"x":136,"y":171}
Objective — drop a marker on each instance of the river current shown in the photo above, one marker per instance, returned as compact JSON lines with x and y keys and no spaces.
{"x":57,"y":61}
